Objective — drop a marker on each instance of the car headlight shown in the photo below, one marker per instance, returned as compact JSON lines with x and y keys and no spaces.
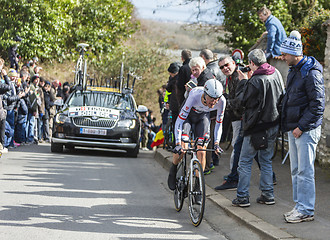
{"x":128,"y":123}
{"x":61,"y":118}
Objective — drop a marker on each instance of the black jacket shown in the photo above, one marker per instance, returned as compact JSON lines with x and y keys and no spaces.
{"x":48,"y":104}
{"x":183,"y":77}
{"x":171,"y":87}
{"x":260,"y":98}
{"x":3,"y":89}
{"x":233,"y":108}
{"x":204,"y":76}
{"x":10,"y":98}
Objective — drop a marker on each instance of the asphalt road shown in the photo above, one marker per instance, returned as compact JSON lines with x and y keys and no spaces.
{"x":89,"y":194}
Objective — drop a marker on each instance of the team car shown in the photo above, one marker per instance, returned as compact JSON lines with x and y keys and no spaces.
{"x":98,"y":117}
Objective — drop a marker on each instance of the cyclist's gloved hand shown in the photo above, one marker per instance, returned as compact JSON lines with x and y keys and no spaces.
{"x":217,"y":149}
{"x":178,"y":149}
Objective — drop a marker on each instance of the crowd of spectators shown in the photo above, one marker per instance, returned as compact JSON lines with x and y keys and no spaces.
{"x":28,"y":104}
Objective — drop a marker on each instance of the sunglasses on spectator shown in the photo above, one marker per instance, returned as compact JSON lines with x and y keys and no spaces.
{"x":225,"y":65}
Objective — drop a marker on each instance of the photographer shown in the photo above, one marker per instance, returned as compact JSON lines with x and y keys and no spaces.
{"x":260,"y":123}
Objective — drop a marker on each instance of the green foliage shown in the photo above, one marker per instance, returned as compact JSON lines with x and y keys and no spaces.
{"x":300,"y":10}
{"x":242,"y":23}
{"x":50,"y":29}
{"x":324,"y":4}
{"x":314,"y":35}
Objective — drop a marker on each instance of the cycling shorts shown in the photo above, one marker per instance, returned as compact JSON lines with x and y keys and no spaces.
{"x":197,"y":124}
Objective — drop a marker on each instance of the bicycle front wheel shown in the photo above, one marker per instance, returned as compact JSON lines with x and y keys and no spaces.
{"x":196,"y":193}
{"x":180,"y":186}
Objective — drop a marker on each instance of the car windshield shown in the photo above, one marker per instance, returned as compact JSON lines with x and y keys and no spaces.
{"x":101,"y":99}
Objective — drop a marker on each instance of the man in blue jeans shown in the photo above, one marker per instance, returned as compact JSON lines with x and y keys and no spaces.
{"x":260,"y":97}
{"x":302,"y":114}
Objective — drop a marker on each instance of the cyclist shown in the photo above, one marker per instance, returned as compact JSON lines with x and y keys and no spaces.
{"x":201,"y":100}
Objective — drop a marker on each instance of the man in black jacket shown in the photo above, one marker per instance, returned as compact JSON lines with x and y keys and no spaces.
{"x":183,"y":76}
{"x":48,"y":104}
{"x":260,"y":98}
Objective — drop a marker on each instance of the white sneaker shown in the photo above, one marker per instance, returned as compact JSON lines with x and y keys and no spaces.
{"x":297,"y":217}
{"x":289,"y":213}
{"x":145,"y":149}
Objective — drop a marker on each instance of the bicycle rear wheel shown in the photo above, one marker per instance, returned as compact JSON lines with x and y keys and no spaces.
{"x":196,"y":193}
{"x":179,"y":191}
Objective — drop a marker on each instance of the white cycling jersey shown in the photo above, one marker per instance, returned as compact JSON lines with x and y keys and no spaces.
{"x":194,"y":103}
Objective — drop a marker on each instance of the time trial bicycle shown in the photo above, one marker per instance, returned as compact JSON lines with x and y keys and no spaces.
{"x":191,"y":184}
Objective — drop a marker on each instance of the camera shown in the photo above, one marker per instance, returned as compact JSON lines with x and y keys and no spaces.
{"x":245,"y":69}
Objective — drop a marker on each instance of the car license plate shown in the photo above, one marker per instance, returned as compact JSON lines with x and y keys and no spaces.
{"x":93,"y":131}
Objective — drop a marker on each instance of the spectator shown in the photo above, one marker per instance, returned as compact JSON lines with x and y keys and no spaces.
{"x":199,"y":70}
{"x":25,"y":77}
{"x":173,"y":70}
{"x":55,"y":93}
{"x":3,"y":113}
{"x":275,"y":32}
{"x":48,"y":104}
{"x":11,"y":99}
{"x":36,"y":70}
{"x":302,"y":114}
{"x":13,"y":55}
{"x":183,"y":76}
{"x":260,"y":96}
{"x":212,"y":64}
{"x":32,"y":65}
{"x":41,"y":110}
{"x":22,"y":112}
{"x":56,"y":86}
{"x":31,"y":134}
{"x":229,"y":69}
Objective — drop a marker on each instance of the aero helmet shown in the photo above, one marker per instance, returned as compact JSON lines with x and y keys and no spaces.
{"x":213,"y":88}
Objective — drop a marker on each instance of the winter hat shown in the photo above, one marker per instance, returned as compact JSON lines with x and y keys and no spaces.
{"x":292,"y":45}
{"x":174,"y":67}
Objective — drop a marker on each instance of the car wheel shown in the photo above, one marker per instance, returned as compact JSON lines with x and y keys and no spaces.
{"x":56,"y":147}
{"x":133,"y":153}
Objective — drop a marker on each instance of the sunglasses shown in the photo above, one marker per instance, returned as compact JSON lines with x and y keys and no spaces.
{"x":225,"y":65}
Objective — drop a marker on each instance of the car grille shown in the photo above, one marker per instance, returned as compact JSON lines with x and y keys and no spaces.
{"x":88,"y":122}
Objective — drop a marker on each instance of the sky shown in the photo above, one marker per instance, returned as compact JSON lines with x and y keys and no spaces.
{"x":177,"y":11}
